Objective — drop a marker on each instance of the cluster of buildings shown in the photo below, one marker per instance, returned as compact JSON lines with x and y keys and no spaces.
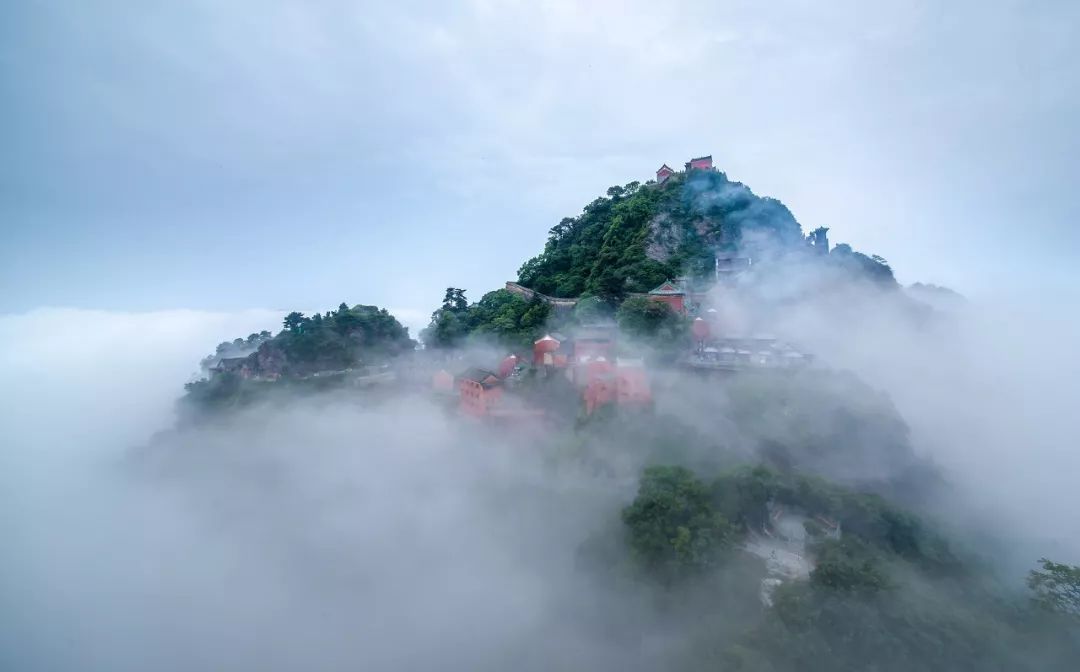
{"x":715,"y":350}
{"x":588,"y":360}
{"x":482,"y":393}
{"x":664,"y":172}
{"x":714,"y":346}
{"x":584,"y":362}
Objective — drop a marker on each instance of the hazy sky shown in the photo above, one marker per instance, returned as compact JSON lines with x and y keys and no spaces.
{"x":227,"y":155}
{"x":176,"y":173}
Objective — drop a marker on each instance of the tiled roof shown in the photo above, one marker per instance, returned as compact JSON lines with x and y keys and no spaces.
{"x":668,"y":289}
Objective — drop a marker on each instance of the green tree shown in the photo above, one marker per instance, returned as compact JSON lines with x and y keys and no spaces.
{"x":294,"y":321}
{"x":741,"y":494}
{"x":849,"y":564}
{"x":652,"y":321}
{"x":447,"y":329}
{"x":1056,"y":587}
{"x":673,"y":529}
{"x":592,"y":309}
{"x":500,"y":315}
{"x":615,"y":245}
{"x":455,"y":300}
{"x":873,"y":267}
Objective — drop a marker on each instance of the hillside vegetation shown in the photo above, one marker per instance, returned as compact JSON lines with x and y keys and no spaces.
{"x":334,"y":341}
{"x":499,"y":316}
{"x":637,"y":236}
{"x":891,"y":594}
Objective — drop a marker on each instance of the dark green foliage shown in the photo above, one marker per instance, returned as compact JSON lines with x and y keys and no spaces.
{"x":873,"y":602}
{"x":740,"y":495}
{"x":635,"y":237}
{"x":455,"y":300}
{"x":605,"y":250}
{"x":849,"y":564}
{"x":500,"y":316}
{"x":449,"y":326}
{"x":447,"y":329}
{"x":1056,"y":587}
{"x":592,"y":309}
{"x":508,"y":318}
{"x":223,"y":389}
{"x":602,"y":251}
{"x":820,"y":627}
{"x":294,"y":321}
{"x":341,"y":339}
{"x":651,"y":320}
{"x":673,"y":528}
{"x":236,"y":348}
{"x":308,"y":349}
{"x":873,"y":267}
{"x":735,"y":218}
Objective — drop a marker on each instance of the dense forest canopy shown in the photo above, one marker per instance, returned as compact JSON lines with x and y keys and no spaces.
{"x":341,"y":338}
{"x":500,"y":316}
{"x":335,"y":341}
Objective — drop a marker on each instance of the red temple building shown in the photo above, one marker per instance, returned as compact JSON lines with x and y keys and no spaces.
{"x":479,"y":391}
{"x":484,"y":395}
{"x":544,"y":350}
{"x":672,"y":294}
{"x":664,"y":172}
{"x":507,"y":365}
{"x":593,"y":341}
{"x":603,"y":382}
{"x":700,"y":163}
{"x":586,"y":359}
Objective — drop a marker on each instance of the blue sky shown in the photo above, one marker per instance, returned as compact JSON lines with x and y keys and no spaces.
{"x":231,"y":155}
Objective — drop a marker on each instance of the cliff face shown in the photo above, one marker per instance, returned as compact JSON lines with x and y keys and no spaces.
{"x":271,"y":361}
{"x":666,"y":235}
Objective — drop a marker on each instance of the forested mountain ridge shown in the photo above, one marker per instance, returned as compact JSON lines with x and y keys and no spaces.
{"x":339,"y":340}
{"x":639,"y":235}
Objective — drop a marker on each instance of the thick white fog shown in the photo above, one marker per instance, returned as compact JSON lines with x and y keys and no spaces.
{"x":324,"y":537}
{"x":329,"y":536}
{"x":990,"y":390}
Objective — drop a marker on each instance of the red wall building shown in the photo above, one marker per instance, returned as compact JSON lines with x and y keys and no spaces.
{"x":594,"y":341}
{"x":671,"y":294}
{"x":700,"y":163}
{"x":544,"y":350}
{"x":626,"y":385}
{"x":478,"y":391}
